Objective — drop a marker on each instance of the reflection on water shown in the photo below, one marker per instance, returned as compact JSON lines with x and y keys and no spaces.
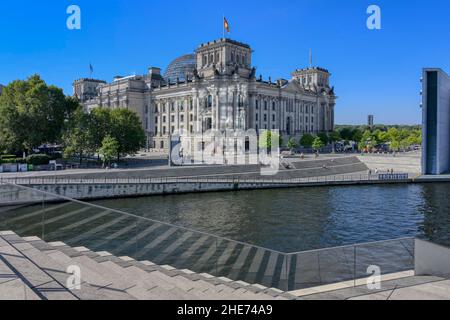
{"x":307,"y":218}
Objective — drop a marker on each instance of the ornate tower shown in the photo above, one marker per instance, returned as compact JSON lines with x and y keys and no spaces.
{"x":224,"y":56}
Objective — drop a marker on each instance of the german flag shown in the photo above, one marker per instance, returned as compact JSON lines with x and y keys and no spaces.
{"x":226,"y":24}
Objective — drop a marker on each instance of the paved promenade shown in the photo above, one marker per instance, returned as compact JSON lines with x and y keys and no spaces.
{"x":289,"y":168}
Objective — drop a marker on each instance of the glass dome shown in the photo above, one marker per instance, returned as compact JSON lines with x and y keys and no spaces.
{"x":180,"y":68}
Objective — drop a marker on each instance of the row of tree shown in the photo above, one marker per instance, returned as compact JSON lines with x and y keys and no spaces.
{"x":111,"y":133}
{"x":33,"y":113}
{"x":393,"y":137}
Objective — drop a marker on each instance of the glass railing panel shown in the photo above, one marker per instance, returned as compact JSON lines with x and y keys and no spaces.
{"x":386,"y":257}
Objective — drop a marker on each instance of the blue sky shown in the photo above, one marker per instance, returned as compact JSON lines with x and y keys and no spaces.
{"x":374,"y":72}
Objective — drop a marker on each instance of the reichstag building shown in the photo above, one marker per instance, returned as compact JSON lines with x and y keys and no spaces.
{"x":216,"y":88}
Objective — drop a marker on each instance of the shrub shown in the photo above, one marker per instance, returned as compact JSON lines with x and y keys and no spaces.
{"x":11,"y":160}
{"x":7,"y":156}
{"x":38,"y":159}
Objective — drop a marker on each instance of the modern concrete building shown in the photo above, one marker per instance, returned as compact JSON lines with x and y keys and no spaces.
{"x":217,"y":88}
{"x":436,"y":122}
{"x":370,"y":120}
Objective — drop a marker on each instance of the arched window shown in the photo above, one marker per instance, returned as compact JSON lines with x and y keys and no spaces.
{"x":217,"y":57}
{"x":232,"y":57}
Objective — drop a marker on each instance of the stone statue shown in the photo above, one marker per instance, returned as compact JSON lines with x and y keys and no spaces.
{"x":196,"y":75}
{"x":253,"y":73}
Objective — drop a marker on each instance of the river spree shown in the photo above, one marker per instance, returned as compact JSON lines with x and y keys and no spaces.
{"x":307,"y":218}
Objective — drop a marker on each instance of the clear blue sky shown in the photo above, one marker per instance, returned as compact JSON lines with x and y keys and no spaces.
{"x":374,"y":72}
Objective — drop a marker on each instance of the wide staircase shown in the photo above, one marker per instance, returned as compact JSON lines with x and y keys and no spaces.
{"x":32,"y":269}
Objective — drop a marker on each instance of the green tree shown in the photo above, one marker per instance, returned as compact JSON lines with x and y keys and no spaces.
{"x":318,"y":144}
{"x":369,"y":139}
{"x":265,"y":139}
{"x":324,"y":137}
{"x":334,"y":136}
{"x":78,"y":138}
{"x":307,"y":140}
{"x":346,"y":134}
{"x":394,"y":134}
{"x":292,"y":144}
{"x":383,"y":137}
{"x":109,"y":149}
{"x":32,"y":113}
{"x":356,"y":135}
{"x":395,"y":145}
{"x":100,"y":126}
{"x":126,"y":128}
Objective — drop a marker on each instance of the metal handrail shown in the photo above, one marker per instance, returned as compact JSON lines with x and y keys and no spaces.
{"x":352,"y":245}
{"x":317,"y":179}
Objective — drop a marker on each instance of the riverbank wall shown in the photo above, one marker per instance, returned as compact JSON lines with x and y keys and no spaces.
{"x":109,"y":190}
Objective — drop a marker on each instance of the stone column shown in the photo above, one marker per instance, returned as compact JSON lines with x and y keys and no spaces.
{"x":217,"y":106}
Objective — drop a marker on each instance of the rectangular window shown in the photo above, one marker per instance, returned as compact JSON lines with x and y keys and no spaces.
{"x":273,"y":117}
{"x":431,"y":123}
{"x":265,"y":117}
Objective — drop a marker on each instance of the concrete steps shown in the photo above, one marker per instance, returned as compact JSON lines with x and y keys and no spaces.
{"x":33,"y":269}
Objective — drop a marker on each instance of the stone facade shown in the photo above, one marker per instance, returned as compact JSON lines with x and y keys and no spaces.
{"x":221,"y":92}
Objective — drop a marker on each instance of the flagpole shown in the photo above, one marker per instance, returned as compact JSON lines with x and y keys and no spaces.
{"x":223,"y":27}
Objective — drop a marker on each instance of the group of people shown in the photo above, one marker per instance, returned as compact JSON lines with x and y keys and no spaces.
{"x":389,"y":171}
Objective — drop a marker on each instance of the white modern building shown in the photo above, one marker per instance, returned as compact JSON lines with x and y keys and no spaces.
{"x":436,"y":122}
{"x":216,"y":88}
